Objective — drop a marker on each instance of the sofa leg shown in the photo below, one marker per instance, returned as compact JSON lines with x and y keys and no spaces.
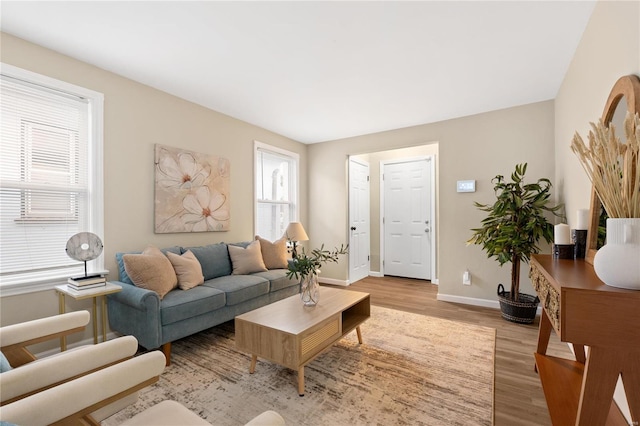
{"x":166,"y":350}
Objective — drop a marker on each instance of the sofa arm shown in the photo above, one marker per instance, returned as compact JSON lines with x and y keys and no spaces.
{"x":136,"y":311}
{"x":56,"y":369}
{"x":136,"y":297}
{"x":15,"y":338}
{"x":72,"y":401}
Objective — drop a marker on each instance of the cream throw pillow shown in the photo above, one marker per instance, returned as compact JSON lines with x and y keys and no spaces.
{"x":246,"y":260}
{"x":188,"y":269}
{"x":274,"y":254}
{"x":151,"y":270}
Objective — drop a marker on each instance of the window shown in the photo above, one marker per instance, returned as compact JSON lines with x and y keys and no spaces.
{"x":276,"y":190}
{"x":50,"y":176}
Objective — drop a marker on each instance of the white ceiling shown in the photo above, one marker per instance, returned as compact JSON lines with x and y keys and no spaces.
{"x":318,"y":71}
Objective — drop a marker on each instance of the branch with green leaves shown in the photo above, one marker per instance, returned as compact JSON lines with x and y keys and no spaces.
{"x":305,"y":264}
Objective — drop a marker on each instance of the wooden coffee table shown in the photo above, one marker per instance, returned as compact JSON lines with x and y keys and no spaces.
{"x":292,"y":335}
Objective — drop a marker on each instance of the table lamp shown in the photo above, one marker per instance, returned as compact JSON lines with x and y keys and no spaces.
{"x":295,"y":232}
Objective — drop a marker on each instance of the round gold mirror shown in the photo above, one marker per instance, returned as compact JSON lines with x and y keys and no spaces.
{"x":624,"y":96}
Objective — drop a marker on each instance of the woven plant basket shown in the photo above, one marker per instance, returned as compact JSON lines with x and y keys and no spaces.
{"x":523,"y":311}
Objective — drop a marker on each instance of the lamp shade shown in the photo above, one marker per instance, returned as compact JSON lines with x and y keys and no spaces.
{"x":295,"y":232}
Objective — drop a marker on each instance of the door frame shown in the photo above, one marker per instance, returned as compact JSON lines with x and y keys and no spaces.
{"x":434,"y":236}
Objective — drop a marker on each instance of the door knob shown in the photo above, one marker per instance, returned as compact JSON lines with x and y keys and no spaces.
{"x":353,"y":228}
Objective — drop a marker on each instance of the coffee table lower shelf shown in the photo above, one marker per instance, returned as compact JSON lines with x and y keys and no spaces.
{"x":562,"y":383}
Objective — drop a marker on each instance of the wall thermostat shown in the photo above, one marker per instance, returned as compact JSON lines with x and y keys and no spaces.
{"x":466,"y":186}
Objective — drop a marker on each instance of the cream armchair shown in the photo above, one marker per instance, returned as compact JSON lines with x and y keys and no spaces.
{"x":29,"y":375}
{"x":14,"y":339}
{"x":74,"y":401}
{"x":54,"y":370}
{"x":85,"y":385}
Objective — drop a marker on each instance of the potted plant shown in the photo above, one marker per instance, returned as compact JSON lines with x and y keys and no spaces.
{"x":307,"y":267}
{"x":511,"y":231}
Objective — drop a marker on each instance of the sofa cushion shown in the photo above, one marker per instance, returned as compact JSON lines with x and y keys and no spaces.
{"x":180,"y":305}
{"x":214,"y":260}
{"x":246,"y":260}
{"x":188,"y":269}
{"x":151,"y":270}
{"x":274,"y":253}
{"x":122,"y":273}
{"x":278,"y":279}
{"x":239,"y":288}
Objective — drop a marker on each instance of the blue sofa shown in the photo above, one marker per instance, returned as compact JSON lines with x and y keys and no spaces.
{"x":157,"y":322}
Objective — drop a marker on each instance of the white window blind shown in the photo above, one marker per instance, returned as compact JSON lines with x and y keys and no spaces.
{"x":276,"y":190}
{"x":48,"y":185}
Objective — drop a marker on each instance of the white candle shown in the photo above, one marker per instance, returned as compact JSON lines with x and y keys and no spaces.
{"x":562,"y":234}
{"x":583,"y":219}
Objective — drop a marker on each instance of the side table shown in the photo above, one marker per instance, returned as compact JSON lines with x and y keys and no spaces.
{"x":94,"y":293}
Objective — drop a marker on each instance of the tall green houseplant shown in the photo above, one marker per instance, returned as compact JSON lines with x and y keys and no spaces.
{"x":515,"y":222}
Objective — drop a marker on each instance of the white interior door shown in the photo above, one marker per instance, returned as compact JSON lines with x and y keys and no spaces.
{"x":359,"y":222}
{"x":407,"y":218}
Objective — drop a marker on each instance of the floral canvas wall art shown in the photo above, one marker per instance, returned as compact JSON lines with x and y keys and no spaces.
{"x":192,"y":191}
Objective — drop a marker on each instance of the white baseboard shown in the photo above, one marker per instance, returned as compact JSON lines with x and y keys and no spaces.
{"x":469,"y":301}
{"x":333,"y":281}
{"x":378,"y":274}
{"x":494,"y":304}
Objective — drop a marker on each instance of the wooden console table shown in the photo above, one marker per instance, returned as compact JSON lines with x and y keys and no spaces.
{"x":586,"y":312}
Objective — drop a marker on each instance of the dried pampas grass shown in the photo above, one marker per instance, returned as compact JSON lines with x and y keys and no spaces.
{"x":612,"y":166}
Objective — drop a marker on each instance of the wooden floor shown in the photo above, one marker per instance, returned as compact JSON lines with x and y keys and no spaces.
{"x":519,"y":399}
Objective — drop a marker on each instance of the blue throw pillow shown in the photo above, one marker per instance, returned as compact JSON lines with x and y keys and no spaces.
{"x":4,"y":363}
{"x":122,"y":274}
{"x":214,"y":259}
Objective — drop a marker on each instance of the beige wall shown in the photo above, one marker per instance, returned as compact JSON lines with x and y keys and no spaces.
{"x":609,"y":49}
{"x":135,"y":118}
{"x":476,"y":147}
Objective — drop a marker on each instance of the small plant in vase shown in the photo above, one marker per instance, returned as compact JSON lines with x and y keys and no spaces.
{"x":306,"y":268}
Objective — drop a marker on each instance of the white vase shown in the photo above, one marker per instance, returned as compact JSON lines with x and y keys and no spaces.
{"x":617,"y":263}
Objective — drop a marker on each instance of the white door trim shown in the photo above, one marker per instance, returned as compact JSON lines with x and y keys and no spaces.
{"x":434,"y":227}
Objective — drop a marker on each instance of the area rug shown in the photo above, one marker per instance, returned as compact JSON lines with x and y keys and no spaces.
{"x":411,"y":370}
